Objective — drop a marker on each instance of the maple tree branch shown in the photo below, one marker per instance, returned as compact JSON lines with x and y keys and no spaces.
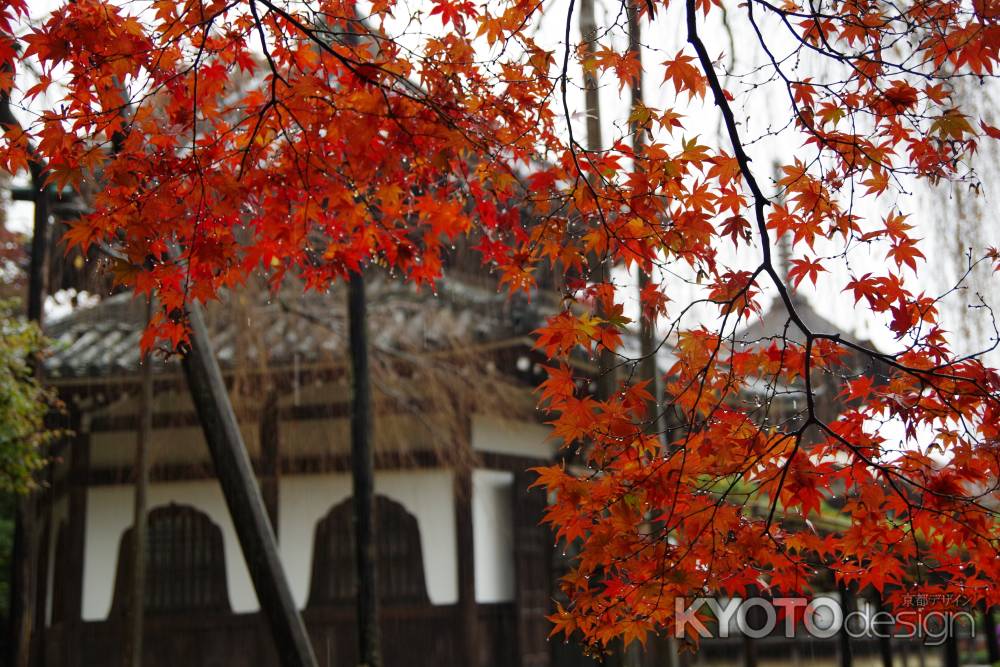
{"x":760,"y":203}
{"x":409,"y":90}
{"x":275,"y":77}
{"x":36,"y":163}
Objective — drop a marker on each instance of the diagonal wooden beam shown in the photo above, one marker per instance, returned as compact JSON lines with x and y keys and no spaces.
{"x":243,"y":497}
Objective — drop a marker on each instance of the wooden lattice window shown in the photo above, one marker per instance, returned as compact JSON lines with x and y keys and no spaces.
{"x":399,"y":562}
{"x":185,"y":563}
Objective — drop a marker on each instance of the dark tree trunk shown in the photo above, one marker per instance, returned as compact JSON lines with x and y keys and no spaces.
{"x":39,"y":248}
{"x":239,"y":486}
{"x":363,"y":476}
{"x":23,"y":584}
{"x":592,"y":102}
{"x":647,"y":346}
{"x":137,"y":591}
{"x":647,"y":328}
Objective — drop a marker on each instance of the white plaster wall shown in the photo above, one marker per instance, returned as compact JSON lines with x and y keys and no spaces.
{"x":109,"y":514}
{"x":427,"y":494}
{"x":507,"y":436}
{"x":303,"y":501}
{"x":493,"y":534}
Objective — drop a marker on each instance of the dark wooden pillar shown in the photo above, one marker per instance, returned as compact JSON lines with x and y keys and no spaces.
{"x":990,"y":634}
{"x":363,"y":476}
{"x":753,"y":620}
{"x":43,"y":566}
{"x":951,"y":654}
{"x":904,"y":652}
{"x":136,"y":598}
{"x":46,"y":567}
{"x":468,"y":620}
{"x":749,"y":651}
{"x":884,"y":638}
{"x":270,"y":447}
{"x":532,"y":562}
{"x":72,"y":613}
{"x":844,"y":638}
{"x":684,"y":658}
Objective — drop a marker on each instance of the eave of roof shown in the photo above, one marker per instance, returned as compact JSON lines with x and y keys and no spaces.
{"x":292,"y":328}
{"x":775,"y":323}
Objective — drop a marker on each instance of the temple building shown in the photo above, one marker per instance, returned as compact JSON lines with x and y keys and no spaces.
{"x":464,"y":568}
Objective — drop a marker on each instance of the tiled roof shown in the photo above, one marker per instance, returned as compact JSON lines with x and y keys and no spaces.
{"x":296,"y":327}
{"x":771,"y":325}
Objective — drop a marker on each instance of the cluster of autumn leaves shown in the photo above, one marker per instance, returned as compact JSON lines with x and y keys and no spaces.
{"x":233,"y":138}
